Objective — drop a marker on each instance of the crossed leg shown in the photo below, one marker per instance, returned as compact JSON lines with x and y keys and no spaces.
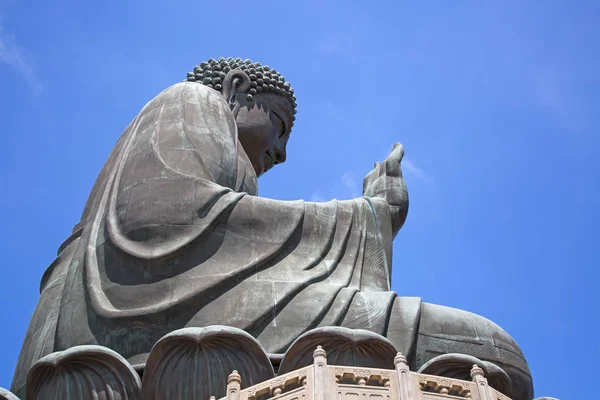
{"x":423,"y":331}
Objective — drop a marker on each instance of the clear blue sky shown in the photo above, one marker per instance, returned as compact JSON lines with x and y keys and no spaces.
{"x":495,"y":103}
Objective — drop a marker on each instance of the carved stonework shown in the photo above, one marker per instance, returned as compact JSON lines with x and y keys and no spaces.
{"x":385,"y":379}
{"x":277,"y":386}
{"x":344,"y":347}
{"x":362,"y":375}
{"x":191,"y":363}
{"x":302,"y":376}
{"x":460,"y":366}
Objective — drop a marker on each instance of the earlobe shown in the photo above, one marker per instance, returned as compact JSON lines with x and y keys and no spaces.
{"x":236,"y":83}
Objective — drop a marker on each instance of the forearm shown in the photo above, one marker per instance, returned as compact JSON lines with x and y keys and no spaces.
{"x":382,"y":215}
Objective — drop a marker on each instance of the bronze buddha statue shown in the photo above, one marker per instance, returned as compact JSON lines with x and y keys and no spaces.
{"x":174,"y":235}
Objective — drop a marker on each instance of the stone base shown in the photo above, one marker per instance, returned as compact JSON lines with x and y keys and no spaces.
{"x":197,"y":363}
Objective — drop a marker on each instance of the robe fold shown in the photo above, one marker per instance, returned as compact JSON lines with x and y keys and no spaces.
{"x":174,"y":235}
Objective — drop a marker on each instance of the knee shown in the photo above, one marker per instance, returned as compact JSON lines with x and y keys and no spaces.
{"x":444,"y":330}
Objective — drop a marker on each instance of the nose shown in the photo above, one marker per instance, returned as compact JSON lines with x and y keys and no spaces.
{"x":280,"y":155}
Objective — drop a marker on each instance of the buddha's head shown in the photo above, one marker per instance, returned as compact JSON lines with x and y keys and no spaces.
{"x":262,"y":102}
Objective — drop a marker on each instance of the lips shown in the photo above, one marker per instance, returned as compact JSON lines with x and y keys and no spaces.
{"x":268,"y":161}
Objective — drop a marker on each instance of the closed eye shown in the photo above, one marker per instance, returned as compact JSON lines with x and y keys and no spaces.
{"x":281,"y":128}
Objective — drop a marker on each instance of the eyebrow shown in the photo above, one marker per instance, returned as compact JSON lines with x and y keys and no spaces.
{"x":281,"y":107}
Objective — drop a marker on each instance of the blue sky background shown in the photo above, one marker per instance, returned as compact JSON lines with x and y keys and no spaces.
{"x":495,"y":103}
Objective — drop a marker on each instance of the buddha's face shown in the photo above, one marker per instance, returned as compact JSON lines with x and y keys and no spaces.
{"x":263,"y":130}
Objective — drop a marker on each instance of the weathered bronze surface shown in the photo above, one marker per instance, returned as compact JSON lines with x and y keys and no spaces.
{"x":174,"y":235}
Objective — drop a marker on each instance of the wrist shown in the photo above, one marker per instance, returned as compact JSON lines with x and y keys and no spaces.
{"x":382,"y":213}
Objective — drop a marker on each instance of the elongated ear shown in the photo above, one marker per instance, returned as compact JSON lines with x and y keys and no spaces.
{"x":236,"y":83}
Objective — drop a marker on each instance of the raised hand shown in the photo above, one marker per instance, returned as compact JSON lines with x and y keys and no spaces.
{"x":385,"y":181}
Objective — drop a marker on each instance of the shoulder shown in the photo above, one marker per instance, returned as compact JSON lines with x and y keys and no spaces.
{"x":182,"y":88}
{"x":188,"y":92}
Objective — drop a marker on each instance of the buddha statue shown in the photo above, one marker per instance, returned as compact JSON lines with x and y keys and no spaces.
{"x":175,"y":235}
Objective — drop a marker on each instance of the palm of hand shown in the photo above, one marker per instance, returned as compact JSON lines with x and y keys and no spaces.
{"x":385,"y":181}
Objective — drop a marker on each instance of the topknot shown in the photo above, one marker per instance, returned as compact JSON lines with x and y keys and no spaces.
{"x":263,"y":78}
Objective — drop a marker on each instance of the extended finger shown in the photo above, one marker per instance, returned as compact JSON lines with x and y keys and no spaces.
{"x":398,"y":151}
{"x":392,"y":162}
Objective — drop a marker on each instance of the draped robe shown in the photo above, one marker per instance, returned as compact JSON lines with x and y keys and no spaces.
{"x":174,"y":235}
